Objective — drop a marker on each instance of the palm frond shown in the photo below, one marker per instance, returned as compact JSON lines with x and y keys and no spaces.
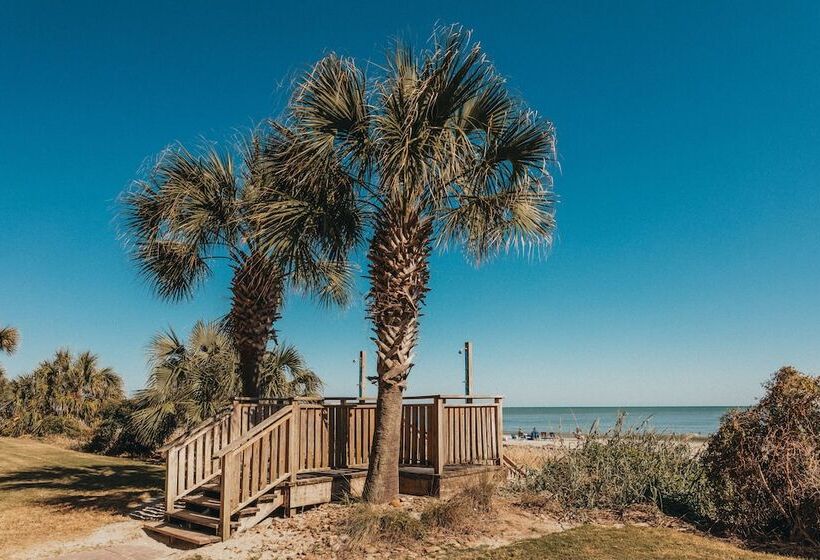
{"x":9,"y":339}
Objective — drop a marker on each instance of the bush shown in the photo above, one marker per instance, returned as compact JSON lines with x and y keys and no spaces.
{"x":763,"y":464}
{"x":462,"y":510}
{"x":67,"y":426}
{"x":368,"y":523}
{"x":115,"y":433}
{"x":620,"y":469}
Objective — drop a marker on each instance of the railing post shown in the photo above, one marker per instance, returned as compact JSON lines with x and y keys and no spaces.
{"x":343,"y":433}
{"x":236,"y":421}
{"x":499,"y":429}
{"x":293,"y":440}
{"x":226,"y":495}
{"x":171,"y":479}
{"x":439,"y":442}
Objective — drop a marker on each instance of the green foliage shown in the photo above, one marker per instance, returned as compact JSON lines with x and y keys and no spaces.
{"x":191,"y":380}
{"x":64,"y":395}
{"x":115,"y":434}
{"x":619,"y":469}
{"x":763,"y":464}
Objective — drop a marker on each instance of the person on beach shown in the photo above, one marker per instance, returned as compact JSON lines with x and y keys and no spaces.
{"x":520,"y":433}
{"x":534,"y":434}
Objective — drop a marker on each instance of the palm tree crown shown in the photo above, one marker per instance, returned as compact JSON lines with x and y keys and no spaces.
{"x":192,"y":211}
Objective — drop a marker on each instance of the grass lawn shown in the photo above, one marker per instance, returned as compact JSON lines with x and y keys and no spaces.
{"x":592,"y":542}
{"x":49,"y":493}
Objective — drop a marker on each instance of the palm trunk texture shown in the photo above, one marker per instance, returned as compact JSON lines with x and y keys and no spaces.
{"x":399,"y":273}
{"x":256,"y":300}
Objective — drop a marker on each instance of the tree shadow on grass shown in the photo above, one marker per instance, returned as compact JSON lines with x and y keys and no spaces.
{"x":106,"y":488}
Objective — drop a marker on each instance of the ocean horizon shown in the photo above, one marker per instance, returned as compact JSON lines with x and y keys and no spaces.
{"x":697,"y":420}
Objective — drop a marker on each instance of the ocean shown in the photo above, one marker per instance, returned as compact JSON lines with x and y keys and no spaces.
{"x":699,"y":420}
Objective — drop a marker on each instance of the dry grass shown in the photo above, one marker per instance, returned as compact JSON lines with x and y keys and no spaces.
{"x":463,"y":511}
{"x":51,"y":493}
{"x":592,"y":542}
{"x":367,"y":524}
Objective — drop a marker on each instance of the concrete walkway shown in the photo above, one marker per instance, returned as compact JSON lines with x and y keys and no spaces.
{"x":118,"y":552}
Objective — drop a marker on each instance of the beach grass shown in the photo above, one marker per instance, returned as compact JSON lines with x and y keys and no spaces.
{"x":51,"y":493}
{"x":590,"y":542}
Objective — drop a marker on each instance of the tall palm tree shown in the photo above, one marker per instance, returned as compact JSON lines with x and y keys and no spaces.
{"x":192,"y":379}
{"x":439,"y":152}
{"x":192,"y":211}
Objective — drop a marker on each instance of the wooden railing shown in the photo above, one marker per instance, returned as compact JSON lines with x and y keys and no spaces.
{"x":265,"y":457}
{"x":190,"y":459}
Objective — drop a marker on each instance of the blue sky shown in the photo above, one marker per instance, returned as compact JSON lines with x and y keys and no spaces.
{"x":687,"y":263}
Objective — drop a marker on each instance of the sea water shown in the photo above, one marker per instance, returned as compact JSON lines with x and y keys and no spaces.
{"x":698,"y":420}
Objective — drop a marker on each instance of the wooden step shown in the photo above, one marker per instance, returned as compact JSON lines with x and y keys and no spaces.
{"x":195,"y":518}
{"x":200,"y":500}
{"x":212,"y":489}
{"x":178,"y":533}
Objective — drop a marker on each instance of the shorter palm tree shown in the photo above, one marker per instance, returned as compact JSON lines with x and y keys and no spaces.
{"x":191,"y":380}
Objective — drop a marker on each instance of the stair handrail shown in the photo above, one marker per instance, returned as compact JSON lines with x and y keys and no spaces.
{"x":266,"y":423}
{"x":230,"y":458}
{"x":192,"y":433}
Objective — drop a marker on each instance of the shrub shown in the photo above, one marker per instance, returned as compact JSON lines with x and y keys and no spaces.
{"x":763,"y":464}
{"x":368,"y":523}
{"x":619,"y":469}
{"x":115,"y":433}
{"x":462,"y":510}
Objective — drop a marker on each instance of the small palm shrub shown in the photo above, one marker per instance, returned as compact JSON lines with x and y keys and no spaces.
{"x":619,"y":469}
{"x":763,"y":464}
{"x":115,"y":433}
{"x":191,"y":380}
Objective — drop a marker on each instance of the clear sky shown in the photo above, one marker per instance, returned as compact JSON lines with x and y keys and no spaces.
{"x":687,"y":263}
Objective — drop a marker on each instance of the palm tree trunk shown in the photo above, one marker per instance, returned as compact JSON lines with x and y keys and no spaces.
{"x":257,"y":289}
{"x":399,"y":272}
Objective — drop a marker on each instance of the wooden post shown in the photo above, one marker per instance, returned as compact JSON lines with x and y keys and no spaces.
{"x":171,"y":469}
{"x":343,"y":429}
{"x":468,"y":369}
{"x":362,"y":373}
{"x":499,"y":429}
{"x":293,"y":454}
{"x":439,"y":437}
{"x":226,"y":495}
{"x":236,"y":422}
{"x":293,"y":441}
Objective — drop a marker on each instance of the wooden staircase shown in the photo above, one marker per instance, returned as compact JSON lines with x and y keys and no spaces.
{"x":228,"y":474}
{"x":197,"y":518}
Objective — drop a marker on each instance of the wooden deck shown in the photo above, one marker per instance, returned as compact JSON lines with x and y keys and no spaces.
{"x":259,"y":457}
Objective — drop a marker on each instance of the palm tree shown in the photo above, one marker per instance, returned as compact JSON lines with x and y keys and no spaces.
{"x":439,"y":152}
{"x":193,"y":379}
{"x":9,"y":340}
{"x":192,"y":211}
{"x":66,"y":391}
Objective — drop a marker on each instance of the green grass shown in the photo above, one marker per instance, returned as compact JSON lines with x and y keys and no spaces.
{"x":592,"y":542}
{"x":48,"y":492}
